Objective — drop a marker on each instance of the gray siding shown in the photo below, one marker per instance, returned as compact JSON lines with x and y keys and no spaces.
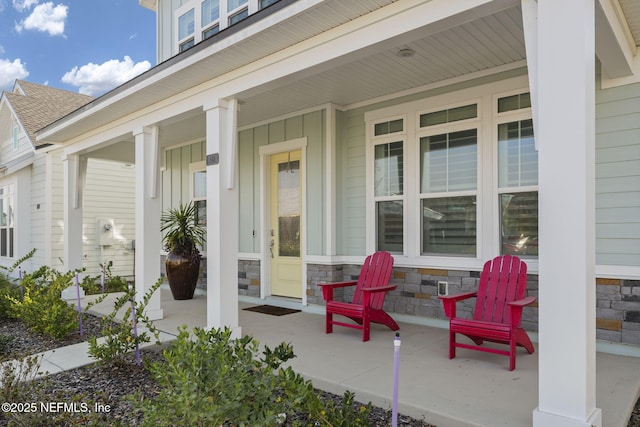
{"x":618,"y":176}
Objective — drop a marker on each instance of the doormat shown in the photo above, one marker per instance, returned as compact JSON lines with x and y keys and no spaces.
{"x":271,"y":309}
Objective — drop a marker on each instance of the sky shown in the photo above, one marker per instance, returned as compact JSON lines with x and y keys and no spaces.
{"x":84,"y":46}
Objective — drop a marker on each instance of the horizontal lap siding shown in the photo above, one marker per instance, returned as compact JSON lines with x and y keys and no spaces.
{"x":56,"y":191}
{"x":39,"y":229}
{"x":109,"y":194}
{"x":618,"y":176}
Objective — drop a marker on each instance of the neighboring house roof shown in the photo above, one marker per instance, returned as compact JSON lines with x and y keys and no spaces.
{"x":37,"y":106}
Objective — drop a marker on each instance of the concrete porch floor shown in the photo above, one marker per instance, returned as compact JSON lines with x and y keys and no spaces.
{"x":475,"y":389}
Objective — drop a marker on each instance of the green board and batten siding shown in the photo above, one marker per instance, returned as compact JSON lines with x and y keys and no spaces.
{"x":617,"y":174}
{"x":311,"y":126}
{"x":176,"y":177}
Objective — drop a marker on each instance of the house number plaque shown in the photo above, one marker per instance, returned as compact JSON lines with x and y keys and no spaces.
{"x":213,"y":159}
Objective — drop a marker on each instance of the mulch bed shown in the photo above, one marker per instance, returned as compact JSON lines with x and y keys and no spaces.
{"x":109,"y":383}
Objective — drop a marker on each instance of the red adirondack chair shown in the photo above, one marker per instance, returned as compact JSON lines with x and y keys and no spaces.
{"x":498,"y":310}
{"x":366,"y":307}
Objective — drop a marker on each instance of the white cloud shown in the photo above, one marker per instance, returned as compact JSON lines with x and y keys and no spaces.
{"x":22,"y":5}
{"x":95,"y":79}
{"x":10,"y":71}
{"x":46,"y":18}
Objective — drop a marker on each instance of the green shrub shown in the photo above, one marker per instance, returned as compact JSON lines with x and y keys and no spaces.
{"x":8,"y":290}
{"x":118,"y":334}
{"x":9,"y":287}
{"x":17,"y":391}
{"x":112,"y":283}
{"x":40,"y":306}
{"x":210,"y":379}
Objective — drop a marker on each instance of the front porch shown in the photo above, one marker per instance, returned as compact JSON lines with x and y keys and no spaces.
{"x":475,"y":389}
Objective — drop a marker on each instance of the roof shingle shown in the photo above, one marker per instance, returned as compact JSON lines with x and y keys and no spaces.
{"x":37,"y":106}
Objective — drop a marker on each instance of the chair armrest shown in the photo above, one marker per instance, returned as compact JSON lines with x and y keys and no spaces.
{"x":327,"y":288}
{"x":449,"y":302}
{"x":337,"y":284}
{"x":522,"y":302}
{"x":516,"y":309}
{"x":380,"y":288}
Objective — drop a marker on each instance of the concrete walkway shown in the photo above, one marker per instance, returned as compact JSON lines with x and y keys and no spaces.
{"x":475,"y":389}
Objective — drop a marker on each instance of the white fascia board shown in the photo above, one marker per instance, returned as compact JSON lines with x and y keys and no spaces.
{"x":530,"y":26}
{"x":149,"y":4}
{"x":615,"y":46}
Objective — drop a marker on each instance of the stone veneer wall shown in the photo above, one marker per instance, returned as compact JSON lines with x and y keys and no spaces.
{"x":249,"y":278}
{"x":618,"y":301}
{"x":618,"y":310}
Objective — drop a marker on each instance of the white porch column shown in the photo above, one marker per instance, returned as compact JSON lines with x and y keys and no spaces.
{"x":222,"y":216}
{"x":74,"y":174}
{"x":566,"y":141}
{"x":148,"y":212}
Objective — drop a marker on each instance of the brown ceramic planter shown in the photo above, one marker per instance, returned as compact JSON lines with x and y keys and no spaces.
{"x":182,"y":274}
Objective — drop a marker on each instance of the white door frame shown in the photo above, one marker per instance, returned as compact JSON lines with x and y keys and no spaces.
{"x":265,"y":152}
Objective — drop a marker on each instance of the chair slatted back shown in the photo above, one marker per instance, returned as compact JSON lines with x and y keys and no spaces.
{"x":503,"y":279}
{"x":375,"y":272}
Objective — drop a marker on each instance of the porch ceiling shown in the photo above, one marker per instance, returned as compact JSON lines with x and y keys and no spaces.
{"x":631,"y":9}
{"x":381,"y":70}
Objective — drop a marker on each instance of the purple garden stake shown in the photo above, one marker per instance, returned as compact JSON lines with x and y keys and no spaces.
{"x":102,"y":279}
{"x":134,"y":320}
{"x":20,"y":280}
{"x":396,"y":374}
{"x":79,"y":306}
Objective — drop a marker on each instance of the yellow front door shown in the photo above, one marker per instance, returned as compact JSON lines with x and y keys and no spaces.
{"x":285,"y":224}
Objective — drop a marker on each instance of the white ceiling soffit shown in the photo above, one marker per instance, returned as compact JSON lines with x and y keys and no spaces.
{"x":631,"y":9}
{"x":616,"y":46}
{"x":483,"y":44}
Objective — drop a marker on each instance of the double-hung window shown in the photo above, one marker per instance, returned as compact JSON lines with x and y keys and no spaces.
{"x":186,"y":29}
{"x":388,"y":188}
{"x":237,"y":10}
{"x":197,"y":20}
{"x":199,"y":190}
{"x":210,"y":17}
{"x":448,"y":150}
{"x":517,"y":176}
{"x":452,"y":179}
{"x":7,"y":220}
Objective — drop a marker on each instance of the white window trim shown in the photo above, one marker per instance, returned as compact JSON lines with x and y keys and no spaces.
{"x":197,"y":167}
{"x":485,"y":97}
{"x":498,"y":119}
{"x":14,"y":184}
{"x":194,"y":4}
{"x":372,"y":199}
{"x":193,"y":168}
